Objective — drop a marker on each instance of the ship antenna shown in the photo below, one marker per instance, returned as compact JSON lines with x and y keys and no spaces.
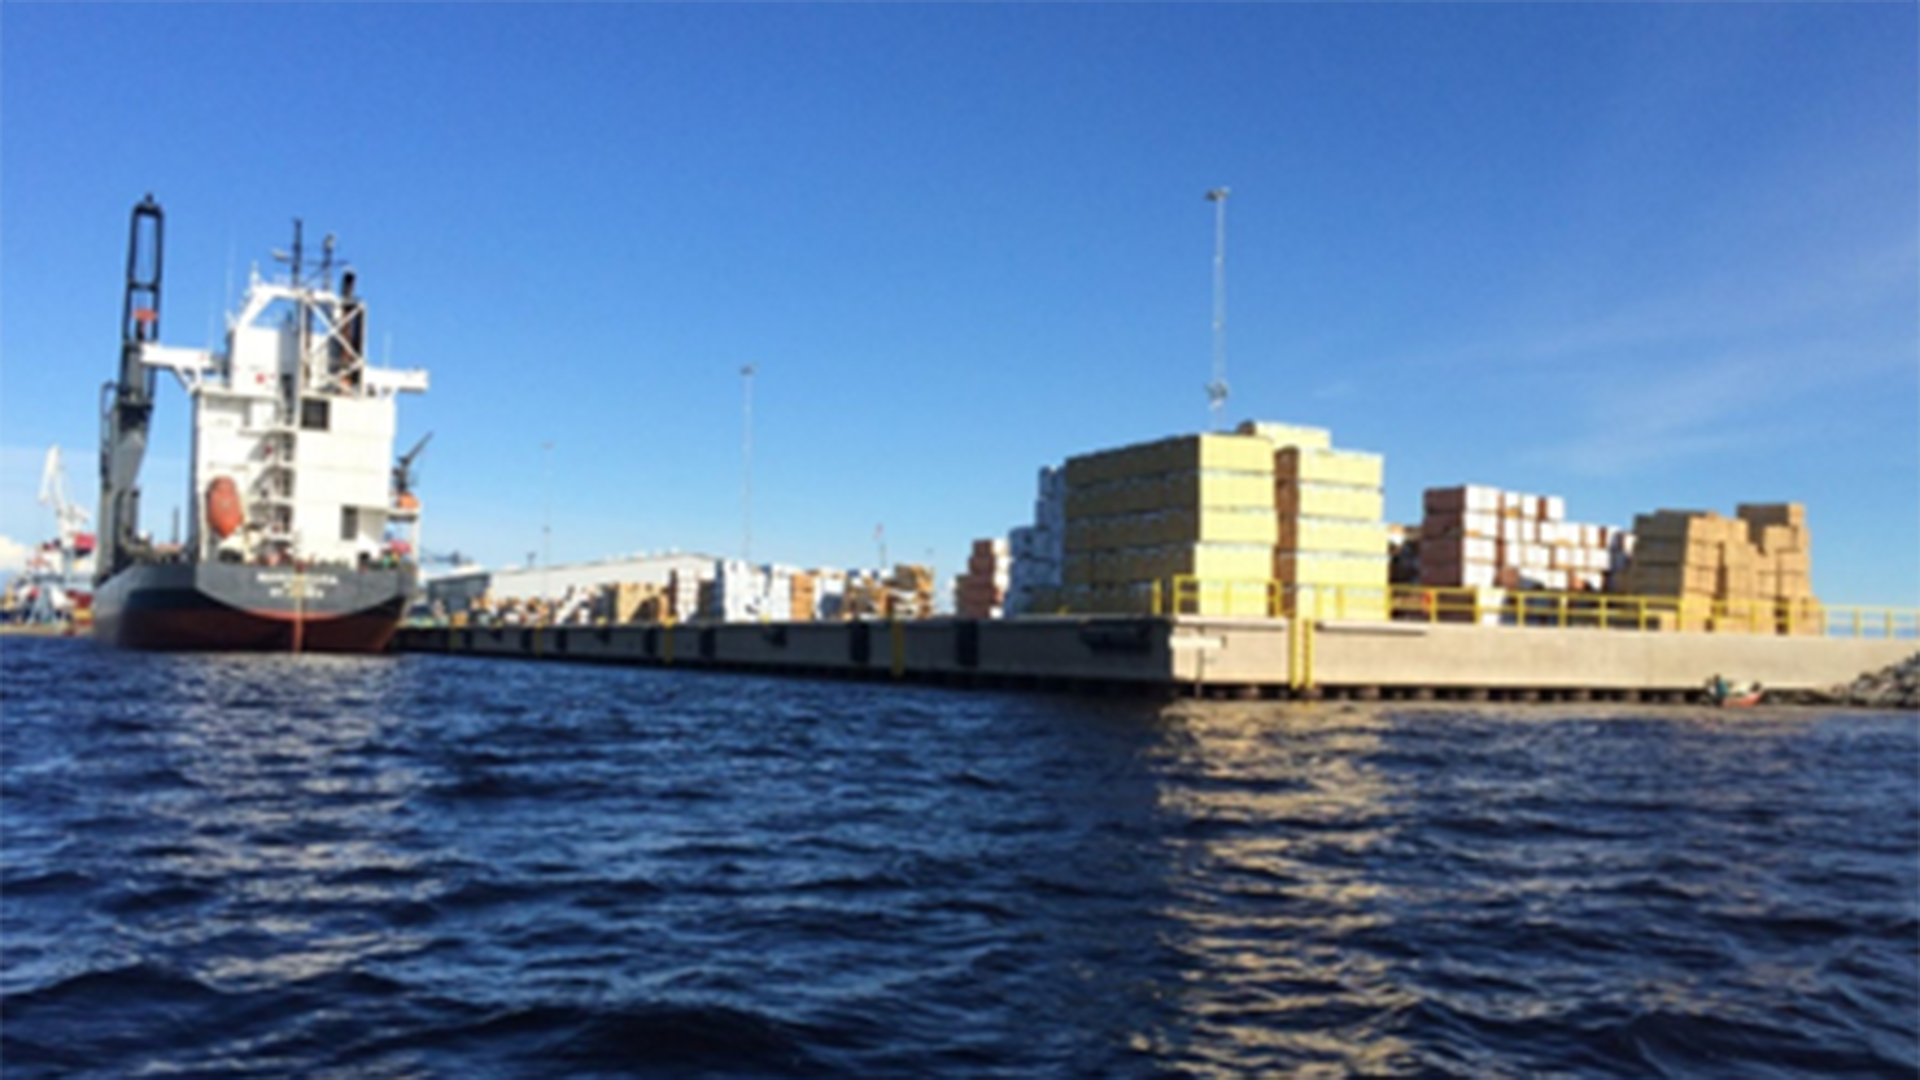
{"x":295,"y":259}
{"x":303,"y":316}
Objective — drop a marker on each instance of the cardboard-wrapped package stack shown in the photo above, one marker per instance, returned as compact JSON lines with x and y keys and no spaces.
{"x":1746,"y":574}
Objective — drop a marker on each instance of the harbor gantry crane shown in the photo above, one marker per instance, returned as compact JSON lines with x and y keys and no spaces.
{"x":70,"y":518}
{"x":50,"y":575}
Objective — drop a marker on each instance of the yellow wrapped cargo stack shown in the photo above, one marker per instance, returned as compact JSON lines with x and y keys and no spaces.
{"x":1194,"y":507}
{"x":1331,"y":554}
{"x":1236,"y":524}
{"x":1306,"y":438}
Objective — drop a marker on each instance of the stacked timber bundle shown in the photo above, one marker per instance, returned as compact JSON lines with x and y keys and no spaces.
{"x":1783,"y":557}
{"x":683,"y":596}
{"x":804,"y":596}
{"x":1330,"y":556}
{"x":1474,"y":536}
{"x":906,"y":593}
{"x":1039,"y":550}
{"x":742,"y":592}
{"x":655,"y":609}
{"x":909,"y":592}
{"x":1697,"y":558}
{"x":1403,"y":554}
{"x":1244,"y":524}
{"x":830,"y":594}
{"x":982,"y":590}
{"x":630,"y":602}
{"x":863,"y":595}
{"x":1749,"y":573}
{"x":1460,"y":537}
{"x":1195,"y":508}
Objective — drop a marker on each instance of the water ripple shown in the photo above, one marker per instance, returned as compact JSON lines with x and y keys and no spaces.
{"x":434,"y":866}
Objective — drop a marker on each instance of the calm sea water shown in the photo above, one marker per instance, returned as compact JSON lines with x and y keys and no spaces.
{"x":431,"y":866}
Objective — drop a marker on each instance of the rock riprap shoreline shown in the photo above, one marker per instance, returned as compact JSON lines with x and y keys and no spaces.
{"x":1895,"y":687}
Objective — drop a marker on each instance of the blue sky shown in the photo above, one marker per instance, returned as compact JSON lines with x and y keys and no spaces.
{"x":1639,"y":256}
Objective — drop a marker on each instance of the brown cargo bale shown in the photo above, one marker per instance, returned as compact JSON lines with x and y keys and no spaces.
{"x":1774,"y":538}
{"x":1667,"y":580}
{"x":1670,"y":524}
{"x":1737,"y":583}
{"x":1675,"y":551}
{"x":1739,"y":554}
{"x":1792,"y":515}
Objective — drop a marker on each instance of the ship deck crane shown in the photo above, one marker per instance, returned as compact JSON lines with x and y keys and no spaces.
{"x":127,"y":415}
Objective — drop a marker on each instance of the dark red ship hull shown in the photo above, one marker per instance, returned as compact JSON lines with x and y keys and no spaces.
{"x":217,"y":606}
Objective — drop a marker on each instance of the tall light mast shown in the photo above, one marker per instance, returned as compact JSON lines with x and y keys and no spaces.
{"x":546,"y":527}
{"x":746,"y":492}
{"x":1217,"y":389}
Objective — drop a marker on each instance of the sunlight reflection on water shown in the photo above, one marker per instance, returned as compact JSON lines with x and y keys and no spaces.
{"x":1283,"y":815}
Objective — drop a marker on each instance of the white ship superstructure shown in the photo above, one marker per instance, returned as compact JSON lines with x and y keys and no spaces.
{"x":302,"y":427}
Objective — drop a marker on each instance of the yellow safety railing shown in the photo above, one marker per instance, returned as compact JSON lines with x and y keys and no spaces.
{"x":1652,"y":613}
{"x":1300,"y":654}
{"x":1187,"y":595}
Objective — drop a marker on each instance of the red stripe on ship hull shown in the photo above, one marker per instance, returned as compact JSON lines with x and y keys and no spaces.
{"x":251,"y":631}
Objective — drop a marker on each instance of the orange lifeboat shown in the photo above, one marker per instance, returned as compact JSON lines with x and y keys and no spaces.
{"x":223,"y":506}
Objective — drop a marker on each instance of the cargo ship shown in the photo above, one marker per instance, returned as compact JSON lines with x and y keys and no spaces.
{"x":302,"y":527}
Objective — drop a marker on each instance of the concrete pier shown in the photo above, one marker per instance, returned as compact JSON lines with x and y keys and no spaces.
{"x":1213,"y":657}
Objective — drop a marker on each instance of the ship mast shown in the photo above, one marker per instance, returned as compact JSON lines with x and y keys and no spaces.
{"x":302,"y":316}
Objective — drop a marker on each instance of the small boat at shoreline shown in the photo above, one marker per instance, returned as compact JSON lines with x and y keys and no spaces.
{"x":1731,"y":695}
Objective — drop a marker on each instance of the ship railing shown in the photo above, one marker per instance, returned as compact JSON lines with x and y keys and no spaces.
{"x":1253,"y":598}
